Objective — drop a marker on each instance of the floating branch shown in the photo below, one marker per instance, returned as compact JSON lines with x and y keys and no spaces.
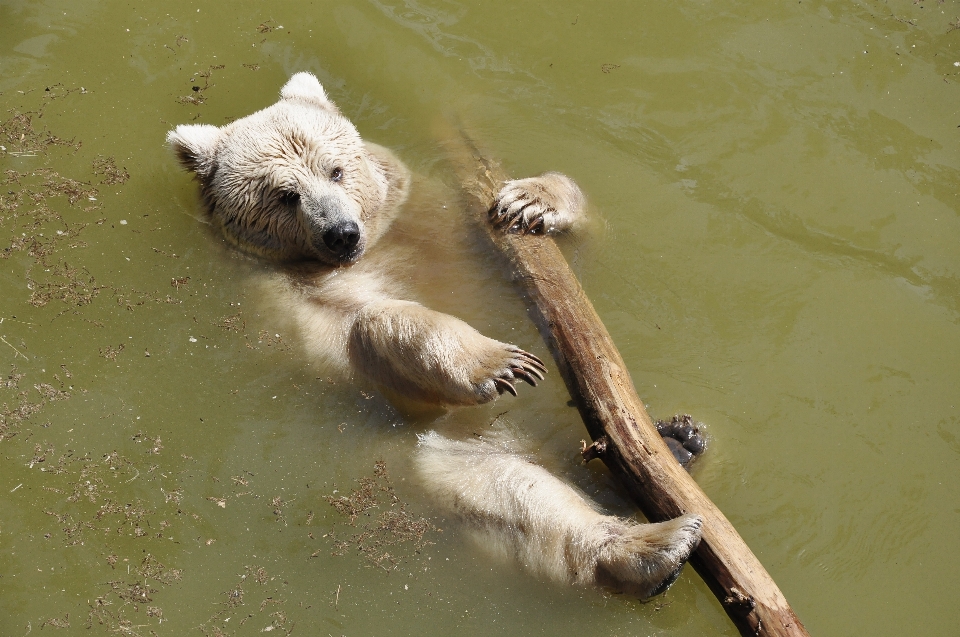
{"x":624,"y":436}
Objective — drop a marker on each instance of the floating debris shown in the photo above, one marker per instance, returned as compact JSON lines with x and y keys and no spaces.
{"x":107,"y":168}
{"x":393,"y":527}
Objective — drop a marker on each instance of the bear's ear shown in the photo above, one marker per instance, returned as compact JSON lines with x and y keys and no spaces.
{"x":306,"y":87}
{"x":195,"y":146}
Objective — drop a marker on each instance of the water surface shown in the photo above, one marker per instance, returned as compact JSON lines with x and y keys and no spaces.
{"x":775,"y":189}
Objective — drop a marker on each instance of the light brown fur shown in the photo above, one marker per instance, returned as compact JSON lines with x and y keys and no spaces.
{"x":295,"y":184}
{"x":524,"y":512}
{"x":278,"y":183}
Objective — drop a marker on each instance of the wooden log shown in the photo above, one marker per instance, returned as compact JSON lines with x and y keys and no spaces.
{"x":624,"y":436}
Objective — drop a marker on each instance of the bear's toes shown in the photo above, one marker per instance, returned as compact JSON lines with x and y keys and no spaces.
{"x":516,"y":365}
{"x":527,"y":366}
{"x":685,"y":438}
{"x":536,"y":205}
{"x":524,"y":216}
{"x":521,"y":366}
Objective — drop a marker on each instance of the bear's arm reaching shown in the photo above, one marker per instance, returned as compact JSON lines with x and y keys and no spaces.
{"x":431,"y":357}
{"x":349,"y":320}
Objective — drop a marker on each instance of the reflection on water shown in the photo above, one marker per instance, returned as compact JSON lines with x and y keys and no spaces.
{"x":775,"y":191}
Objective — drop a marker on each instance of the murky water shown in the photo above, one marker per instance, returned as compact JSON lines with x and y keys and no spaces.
{"x":776,"y":188}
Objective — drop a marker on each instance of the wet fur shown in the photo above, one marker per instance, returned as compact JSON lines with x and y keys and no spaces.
{"x":523,"y":511}
{"x":249,"y":172}
{"x":275,"y":183}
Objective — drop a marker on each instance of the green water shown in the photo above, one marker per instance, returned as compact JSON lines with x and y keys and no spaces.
{"x":777,"y":251}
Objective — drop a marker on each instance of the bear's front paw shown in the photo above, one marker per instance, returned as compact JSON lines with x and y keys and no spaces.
{"x":429,"y":357}
{"x":510,"y":364}
{"x":548,"y":203}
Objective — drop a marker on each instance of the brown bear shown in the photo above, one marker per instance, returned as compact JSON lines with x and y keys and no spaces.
{"x":296,"y":185}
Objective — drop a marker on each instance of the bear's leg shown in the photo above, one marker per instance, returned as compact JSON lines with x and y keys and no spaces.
{"x":684,"y":437}
{"x":435,"y":358}
{"x":523,"y":511}
{"x":551,"y":202}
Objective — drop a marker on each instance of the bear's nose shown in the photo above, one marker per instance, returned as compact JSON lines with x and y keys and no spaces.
{"x":342,"y":238}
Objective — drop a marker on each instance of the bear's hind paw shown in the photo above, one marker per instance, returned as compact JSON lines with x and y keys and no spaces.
{"x":643,"y":560}
{"x":684,"y":437}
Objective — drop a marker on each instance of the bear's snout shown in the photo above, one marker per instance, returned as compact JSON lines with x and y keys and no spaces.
{"x":342,"y":240}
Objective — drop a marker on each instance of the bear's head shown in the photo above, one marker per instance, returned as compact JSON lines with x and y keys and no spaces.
{"x":291,"y":182}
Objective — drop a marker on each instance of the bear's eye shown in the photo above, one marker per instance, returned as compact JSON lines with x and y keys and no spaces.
{"x":289,"y":198}
{"x":336,"y":174}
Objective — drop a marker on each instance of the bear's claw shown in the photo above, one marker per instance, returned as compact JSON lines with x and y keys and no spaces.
{"x":532,"y":363}
{"x":526,"y":354}
{"x":537,"y":205}
{"x":524,"y":375}
{"x":522,"y":366}
{"x":521,"y":216}
{"x":503,"y":385}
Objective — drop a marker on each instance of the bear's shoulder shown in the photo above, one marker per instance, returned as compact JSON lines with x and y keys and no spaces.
{"x":396,"y":172}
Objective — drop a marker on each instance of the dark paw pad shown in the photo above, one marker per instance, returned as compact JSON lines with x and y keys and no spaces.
{"x":667,"y":583}
{"x":685,"y":438}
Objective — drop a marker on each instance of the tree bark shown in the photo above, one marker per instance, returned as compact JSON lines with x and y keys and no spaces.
{"x":624,"y":436}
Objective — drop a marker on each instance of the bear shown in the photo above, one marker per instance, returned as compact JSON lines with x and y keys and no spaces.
{"x":296,"y":186}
